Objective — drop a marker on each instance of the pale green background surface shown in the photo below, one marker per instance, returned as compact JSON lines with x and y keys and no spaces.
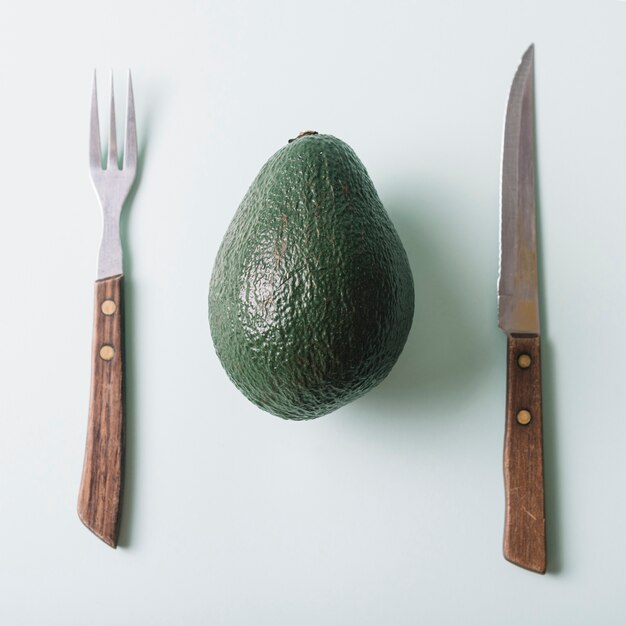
{"x":390,"y":511}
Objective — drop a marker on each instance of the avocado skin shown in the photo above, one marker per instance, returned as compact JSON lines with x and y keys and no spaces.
{"x":311,"y":298}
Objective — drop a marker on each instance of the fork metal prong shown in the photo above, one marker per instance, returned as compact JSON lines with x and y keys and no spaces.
{"x":130,"y":144}
{"x":112,"y":184}
{"x":95,"y":150}
{"x":112,"y":160}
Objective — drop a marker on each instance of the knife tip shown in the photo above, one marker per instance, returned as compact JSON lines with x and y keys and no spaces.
{"x":530,"y":52}
{"x":527,"y":62}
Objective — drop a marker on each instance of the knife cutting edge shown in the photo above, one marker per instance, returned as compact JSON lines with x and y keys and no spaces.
{"x":518,"y":316}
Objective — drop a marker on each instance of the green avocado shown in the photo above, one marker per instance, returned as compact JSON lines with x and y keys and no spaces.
{"x":311,"y":297}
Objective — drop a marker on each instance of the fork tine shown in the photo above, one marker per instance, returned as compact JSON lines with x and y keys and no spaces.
{"x":130,"y":145}
{"x":112,"y":133}
{"x":95,"y":150}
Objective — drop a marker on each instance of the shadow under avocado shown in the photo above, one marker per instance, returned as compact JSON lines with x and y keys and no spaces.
{"x":450,"y":348}
{"x":130,"y":360}
{"x":445,"y":354}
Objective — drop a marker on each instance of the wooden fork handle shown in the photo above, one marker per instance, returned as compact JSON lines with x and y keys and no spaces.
{"x":99,"y":499}
{"x":525,"y":524}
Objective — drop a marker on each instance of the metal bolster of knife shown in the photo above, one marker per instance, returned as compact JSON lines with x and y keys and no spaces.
{"x":521,"y":314}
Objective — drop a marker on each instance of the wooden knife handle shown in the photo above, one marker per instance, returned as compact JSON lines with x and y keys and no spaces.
{"x":525,"y":524}
{"x":99,"y":499}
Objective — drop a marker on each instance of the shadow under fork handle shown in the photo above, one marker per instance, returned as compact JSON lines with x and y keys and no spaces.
{"x":100,"y":496}
{"x":525,"y":524}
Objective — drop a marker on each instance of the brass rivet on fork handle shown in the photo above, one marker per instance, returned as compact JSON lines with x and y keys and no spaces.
{"x":107,"y":353}
{"x":108,"y":307}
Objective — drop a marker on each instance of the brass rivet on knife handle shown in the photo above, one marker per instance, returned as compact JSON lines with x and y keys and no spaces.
{"x":524,"y":361}
{"x":99,"y":499}
{"x":525,"y":526}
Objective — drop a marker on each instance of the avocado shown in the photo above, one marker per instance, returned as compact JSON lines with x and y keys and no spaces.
{"x":311,"y":296}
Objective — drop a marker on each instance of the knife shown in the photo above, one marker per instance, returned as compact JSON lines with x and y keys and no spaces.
{"x":518,"y":317}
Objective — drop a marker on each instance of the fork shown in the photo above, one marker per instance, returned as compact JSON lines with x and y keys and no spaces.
{"x":99,"y":499}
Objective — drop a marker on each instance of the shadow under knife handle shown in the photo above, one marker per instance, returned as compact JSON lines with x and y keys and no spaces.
{"x":525,"y":524}
{"x":99,"y":499}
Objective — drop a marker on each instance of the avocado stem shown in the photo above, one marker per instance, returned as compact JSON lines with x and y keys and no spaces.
{"x":304,"y":133}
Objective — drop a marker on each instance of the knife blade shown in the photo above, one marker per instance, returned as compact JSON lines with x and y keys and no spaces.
{"x":518,"y":317}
